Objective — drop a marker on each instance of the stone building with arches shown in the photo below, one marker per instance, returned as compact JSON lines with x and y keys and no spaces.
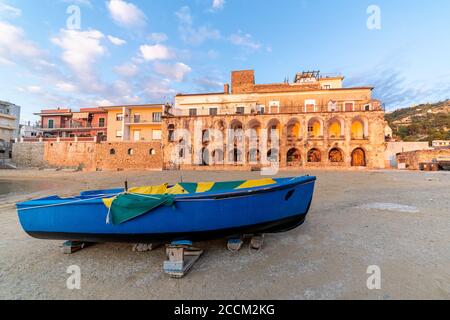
{"x":313,"y":122}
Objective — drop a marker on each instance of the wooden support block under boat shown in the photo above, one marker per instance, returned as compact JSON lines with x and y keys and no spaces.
{"x":257,"y":242}
{"x":235,"y":245}
{"x":181,"y":258}
{"x":70,"y":247}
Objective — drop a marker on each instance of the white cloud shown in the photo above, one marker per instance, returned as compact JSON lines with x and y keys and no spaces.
{"x":126,"y":14}
{"x":81,"y":49}
{"x":244,"y":40}
{"x":127,"y":70}
{"x":14,"y":44}
{"x":191,"y":34}
{"x":8,"y":11}
{"x":176,"y":72}
{"x":116,"y":41}
{"x":158,"y":37}
{"x":66,"y":87}
{"x":159,"y":88}
{"x":218,"y":4}
{"x":156,"y":52}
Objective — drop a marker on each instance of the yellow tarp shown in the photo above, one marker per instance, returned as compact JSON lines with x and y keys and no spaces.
{"x":179,"y":189}
{"x":256,"y":183}
{"x":204,"y":186}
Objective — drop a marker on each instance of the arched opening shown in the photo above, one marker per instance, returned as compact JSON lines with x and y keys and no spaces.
{"x":336,"y":156}
{"x":273,"y":155}
{"x":236,"y":156}
{"x":237,"y":131}
{"x":315,"y":128}
{"x":359,"y":129}
{"x":294,"y":157}
{"x":217,"y":156}
{"x":205,"y":156}
{"x":293,"y":130}
{"x":254,"y":156}
{"x":359,"y":158}
{"x":130,"y":152}
{"x":273,"y":129}
{"x":254,"y":128}
{"x":314,"y":156}
{"x":335,"y":129}
{"x":171,"y":133}
{"x":152,"y":152}
{"x":112,"y":152}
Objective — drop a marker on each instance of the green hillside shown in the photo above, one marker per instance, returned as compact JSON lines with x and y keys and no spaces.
{"x":426,"y":122}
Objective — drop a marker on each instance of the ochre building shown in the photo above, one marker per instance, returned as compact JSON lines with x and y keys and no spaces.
{"x":319,"y":123}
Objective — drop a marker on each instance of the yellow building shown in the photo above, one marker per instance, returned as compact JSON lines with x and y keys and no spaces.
{"x":137,"y":123}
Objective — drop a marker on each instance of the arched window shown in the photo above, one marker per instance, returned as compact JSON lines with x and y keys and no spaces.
{"x":314,"y":155}
{"x":294,"y":157}
{"x":171,"y":133}
{"x":130,"y":152}
{"x":152,"y":152}
{"x":253,"y":156}
{"x":359,"y":158}
{"x":315,"y":128}
{"x":336,"y":155}
{"x":335,"y":128}
{"x":112,"y":152}
{"x":273,"y":155}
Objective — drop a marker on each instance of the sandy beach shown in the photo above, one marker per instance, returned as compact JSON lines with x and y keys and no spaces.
{"x":399,"y":221}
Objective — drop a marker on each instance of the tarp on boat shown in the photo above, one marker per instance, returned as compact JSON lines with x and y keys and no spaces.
{"x":142,"y":200}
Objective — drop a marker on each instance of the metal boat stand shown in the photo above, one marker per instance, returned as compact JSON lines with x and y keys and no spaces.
{"x":181,"y":256}
{"x":70,"y":247}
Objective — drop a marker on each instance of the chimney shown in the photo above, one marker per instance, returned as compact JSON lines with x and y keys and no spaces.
{"x":226,"y":88}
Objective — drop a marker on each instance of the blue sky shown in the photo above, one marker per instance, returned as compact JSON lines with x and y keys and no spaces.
{"x":146,"y":51}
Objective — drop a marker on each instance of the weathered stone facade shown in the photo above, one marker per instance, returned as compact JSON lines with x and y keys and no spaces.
{"x":413,"y":159}
{"x":90,"y":156}
{"x":296,"y":149}
{"x":317,"y":121}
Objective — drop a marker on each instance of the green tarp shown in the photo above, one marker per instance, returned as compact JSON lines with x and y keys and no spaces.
{"x":130,"y":206}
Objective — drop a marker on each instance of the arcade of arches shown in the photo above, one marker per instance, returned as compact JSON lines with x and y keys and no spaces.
{"x":310,"y":140}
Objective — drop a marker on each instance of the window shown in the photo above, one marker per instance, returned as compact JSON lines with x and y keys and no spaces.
{"x":112,"y":152}
{"x":51,"y":124}
{"x":156,"y":135}
{"x":193,"y":112}
{"x":152,"y":152}
{"x":157,"y":117}
{"x":367,"y":107}
{"x":130,"y":152}
{"x":327,"y":87}
{"x":310,"y":105}
{"x":136,"y":118}
{"x":119,"y":117}
{"x":348,"y":106}
{"x":171,"y":135}
{"x":240,"y":110}
{"x":213,"y":111}
{"x":101,"y":122}
{"x":119,"y":134}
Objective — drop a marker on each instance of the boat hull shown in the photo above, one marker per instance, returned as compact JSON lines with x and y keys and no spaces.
{"x":197,"y":218}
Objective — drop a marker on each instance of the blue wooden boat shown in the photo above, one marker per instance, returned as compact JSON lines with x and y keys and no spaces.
{"x":196,"y":212}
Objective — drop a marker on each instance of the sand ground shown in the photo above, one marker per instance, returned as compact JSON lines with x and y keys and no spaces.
{"x":399,"y":221}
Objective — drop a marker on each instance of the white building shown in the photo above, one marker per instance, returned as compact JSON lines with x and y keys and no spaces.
{"x":10,"y":109}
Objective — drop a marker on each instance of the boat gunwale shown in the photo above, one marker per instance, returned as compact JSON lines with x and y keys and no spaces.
{"x":213,"y":195}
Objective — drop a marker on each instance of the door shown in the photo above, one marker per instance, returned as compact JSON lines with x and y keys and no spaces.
{"x":137,"y":136}
{"x":358,"y":158}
